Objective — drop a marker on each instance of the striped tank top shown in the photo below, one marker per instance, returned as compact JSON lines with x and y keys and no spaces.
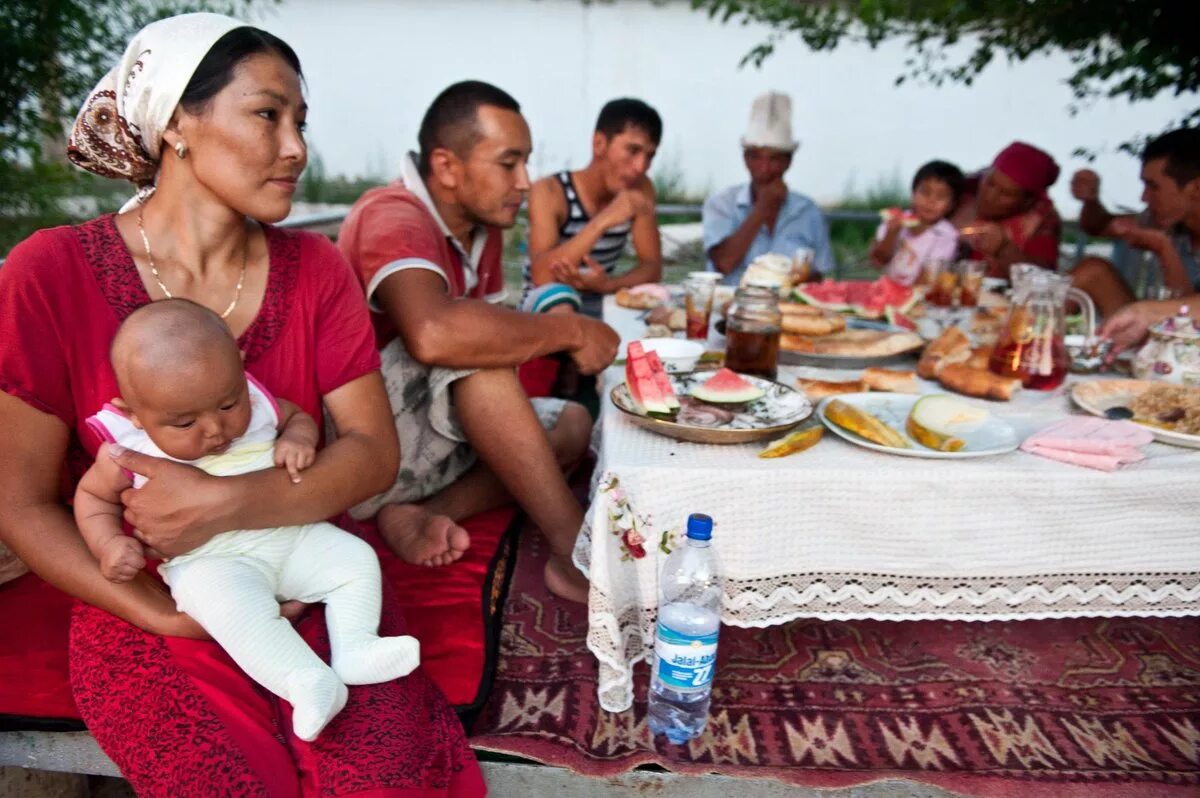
{"x":606,"y":252}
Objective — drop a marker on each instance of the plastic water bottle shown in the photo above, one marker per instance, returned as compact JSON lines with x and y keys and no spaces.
{"x":685,"y":648}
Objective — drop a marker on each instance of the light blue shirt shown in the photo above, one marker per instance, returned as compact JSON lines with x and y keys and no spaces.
{"x":800,"y":224}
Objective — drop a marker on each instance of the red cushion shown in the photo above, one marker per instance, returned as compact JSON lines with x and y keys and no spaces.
{"x":444,"y":608}
{"x":34,"y":680}
{"x":538,"y":375}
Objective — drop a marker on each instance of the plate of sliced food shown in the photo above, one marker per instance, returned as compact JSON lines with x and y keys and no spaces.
{"x":1171,"y":412}
{"x":936,"y":426}
{"x":705,"y":407}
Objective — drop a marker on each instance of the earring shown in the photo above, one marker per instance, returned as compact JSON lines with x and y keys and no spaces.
{"x":181,"y":149}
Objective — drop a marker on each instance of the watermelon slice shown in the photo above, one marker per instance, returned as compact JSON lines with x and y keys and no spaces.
{"x":727,"y":387}
{"x":907,"y":218}
{"x":896,"y":318}
{"x":827,"y":294}
{"x":862,"y":297}
{"x":649,"y":386}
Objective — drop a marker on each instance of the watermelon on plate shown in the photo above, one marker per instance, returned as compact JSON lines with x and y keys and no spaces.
{"x":896,"y":318}
{"x":727,"y":387}
{"x":827,"y":294}
{"x":648,"y":383}
{"x":866,"y":298}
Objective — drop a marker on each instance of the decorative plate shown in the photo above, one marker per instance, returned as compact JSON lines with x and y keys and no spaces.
{"x":1096,"y":396}
{"x":993,"y":437}
{"x":780,"y":409}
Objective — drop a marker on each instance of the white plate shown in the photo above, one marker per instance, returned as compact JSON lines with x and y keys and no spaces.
{"x":993,"y":437}
{"x":1096,"y":396}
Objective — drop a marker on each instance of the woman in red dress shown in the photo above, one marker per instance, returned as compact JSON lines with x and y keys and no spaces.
{"x":1005,"y":215}
{"x":206,"y":116}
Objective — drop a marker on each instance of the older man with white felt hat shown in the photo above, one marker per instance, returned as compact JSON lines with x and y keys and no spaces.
{"x":751,"y":219}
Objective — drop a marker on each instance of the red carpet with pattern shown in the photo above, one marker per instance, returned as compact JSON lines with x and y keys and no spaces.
{"x":1088,"y":707}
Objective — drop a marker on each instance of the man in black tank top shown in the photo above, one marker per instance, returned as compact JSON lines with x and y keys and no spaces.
{"x":579,"y":222}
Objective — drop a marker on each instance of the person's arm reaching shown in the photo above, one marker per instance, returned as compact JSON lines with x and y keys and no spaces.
{"x":469,"y":333}
{"x":1129,"y":325}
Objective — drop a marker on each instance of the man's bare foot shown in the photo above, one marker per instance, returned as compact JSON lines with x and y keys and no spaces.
{"x":564,"y":580}
{"x":419,"y":537}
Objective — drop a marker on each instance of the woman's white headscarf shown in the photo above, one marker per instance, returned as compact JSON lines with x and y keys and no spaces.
{"x":118,"y":132}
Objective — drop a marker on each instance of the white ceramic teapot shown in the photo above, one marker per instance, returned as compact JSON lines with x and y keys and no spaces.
{"x":1172,"y":352}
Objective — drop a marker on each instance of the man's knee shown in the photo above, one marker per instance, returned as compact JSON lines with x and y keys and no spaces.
{"x":572,"y":434}
{"x":1090,"y":269}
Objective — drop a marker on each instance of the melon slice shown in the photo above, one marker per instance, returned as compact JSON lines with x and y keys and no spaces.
{"x":860,"y":422}
{"x":727,"y":387}
{"x":937,"y":420}
{"x":649,"y":387}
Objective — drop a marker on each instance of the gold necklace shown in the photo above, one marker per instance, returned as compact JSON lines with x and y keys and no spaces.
{"x":237,"y":292}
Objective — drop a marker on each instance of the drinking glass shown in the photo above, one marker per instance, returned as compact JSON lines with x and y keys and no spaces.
{"x":970,"y":282}
{"x":698,"y":300}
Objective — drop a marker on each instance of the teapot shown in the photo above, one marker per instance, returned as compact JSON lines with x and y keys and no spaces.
{"x":1172,"y":352}
{"x":1032,"y":345}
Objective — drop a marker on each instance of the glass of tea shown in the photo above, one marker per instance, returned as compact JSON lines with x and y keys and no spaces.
{"x":752,"y":330}
{"x":698,"y":301}
{"x":942,"y":281}
{"x":970,"y":282}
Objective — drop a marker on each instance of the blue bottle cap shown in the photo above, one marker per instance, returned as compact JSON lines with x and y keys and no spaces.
{"x":699,"y":526}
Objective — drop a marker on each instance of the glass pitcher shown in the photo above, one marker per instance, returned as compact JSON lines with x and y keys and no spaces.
{"x":1032,"y":345}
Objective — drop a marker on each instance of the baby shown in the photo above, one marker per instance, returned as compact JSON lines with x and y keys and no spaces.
{"x":904,"y":243}
{"x":185,"y":396}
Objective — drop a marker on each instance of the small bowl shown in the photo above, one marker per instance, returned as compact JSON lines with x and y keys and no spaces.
{"x":677,"y":354}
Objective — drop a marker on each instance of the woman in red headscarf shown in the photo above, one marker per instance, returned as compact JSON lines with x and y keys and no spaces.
{"x":1006,"y":217}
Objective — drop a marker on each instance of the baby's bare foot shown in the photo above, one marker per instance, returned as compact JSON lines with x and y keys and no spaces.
{"x":419,"y":537}
{"x":564,"y":580}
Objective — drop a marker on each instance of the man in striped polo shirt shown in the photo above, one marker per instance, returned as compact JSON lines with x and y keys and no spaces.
{"x":579,"y":222}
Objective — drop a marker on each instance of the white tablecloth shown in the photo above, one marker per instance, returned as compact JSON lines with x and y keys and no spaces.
{"x":842,"y":532}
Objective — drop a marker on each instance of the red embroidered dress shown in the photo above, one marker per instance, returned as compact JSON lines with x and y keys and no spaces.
{"x":176,"y":715}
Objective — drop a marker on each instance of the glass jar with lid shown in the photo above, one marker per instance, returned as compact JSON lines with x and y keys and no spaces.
{"x":752,"y":329}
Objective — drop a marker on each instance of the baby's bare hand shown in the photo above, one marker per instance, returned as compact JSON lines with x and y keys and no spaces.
{"x":121,"y":559}
{"x":295,"y":457}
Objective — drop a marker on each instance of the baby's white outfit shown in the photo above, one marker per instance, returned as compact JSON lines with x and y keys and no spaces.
{"x":232,"y":585}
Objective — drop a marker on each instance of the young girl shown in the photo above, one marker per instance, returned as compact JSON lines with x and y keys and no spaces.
{"x":905,"y":242}
{"x":184,"y":395}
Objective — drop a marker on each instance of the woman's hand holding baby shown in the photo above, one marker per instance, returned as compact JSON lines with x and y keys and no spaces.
{"x":179,"y":508}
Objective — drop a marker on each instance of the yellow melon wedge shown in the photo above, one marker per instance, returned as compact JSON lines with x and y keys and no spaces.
{"x":796,"y":442}
{"x":849,"y":417}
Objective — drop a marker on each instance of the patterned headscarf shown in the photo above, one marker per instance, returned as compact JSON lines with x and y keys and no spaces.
{"x":118,"y":132}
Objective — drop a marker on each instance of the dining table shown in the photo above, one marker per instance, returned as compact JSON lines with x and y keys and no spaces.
{"x":842,"y":532}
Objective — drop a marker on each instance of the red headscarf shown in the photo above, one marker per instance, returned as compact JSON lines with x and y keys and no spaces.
{"x":1030,"y":168}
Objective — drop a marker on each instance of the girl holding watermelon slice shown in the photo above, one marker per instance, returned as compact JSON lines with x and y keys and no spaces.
{"x":907,"y":240}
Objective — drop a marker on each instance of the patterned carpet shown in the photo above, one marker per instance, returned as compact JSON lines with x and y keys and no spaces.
{"x":1089,"y":707}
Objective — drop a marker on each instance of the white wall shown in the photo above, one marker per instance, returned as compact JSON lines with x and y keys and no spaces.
{"x":373,"y":66}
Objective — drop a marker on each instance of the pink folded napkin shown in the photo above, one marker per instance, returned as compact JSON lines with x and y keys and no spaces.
{"x":1091,"y":442}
